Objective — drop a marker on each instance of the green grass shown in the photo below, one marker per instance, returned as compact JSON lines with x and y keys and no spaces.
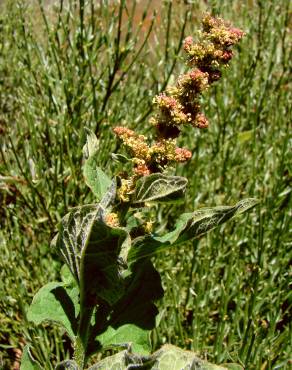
{"x":227,"y":295}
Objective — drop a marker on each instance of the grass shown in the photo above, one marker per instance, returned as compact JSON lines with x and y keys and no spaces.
{"x":227,"y":295}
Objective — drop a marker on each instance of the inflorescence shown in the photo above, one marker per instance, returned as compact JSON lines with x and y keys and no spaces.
{"x":180,"y":105}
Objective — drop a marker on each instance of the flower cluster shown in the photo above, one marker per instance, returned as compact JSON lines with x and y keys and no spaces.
{"x":213,"y":49}
{"x":136,"y":143}
{"x":180,"y":104}
{"x":150,"y":158}
{"x":112,"y":220}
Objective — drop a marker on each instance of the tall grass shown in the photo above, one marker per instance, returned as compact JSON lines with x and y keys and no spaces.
{"x":99,"y":64}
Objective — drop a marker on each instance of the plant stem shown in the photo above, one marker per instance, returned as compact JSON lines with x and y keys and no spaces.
{"x":81,"y":342}
{"x":79,"y":353}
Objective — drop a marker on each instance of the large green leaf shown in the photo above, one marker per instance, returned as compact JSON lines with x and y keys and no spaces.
{"x":132,"y":318}
{"x":119,"y":361}
{"x":188,"y":226}
{"x":27,"y":362}
{"x":167,"y":358}
{"x":55,"y":302}
{"x":91,"y":249}
{"x":74,"y":232}
{"x":173,"y":358}
{"x":94,"y":176}
{"x":127,"y":334}
{"x":100,"y":267}
{"x":159,"y":188}
{"x":142,"y":288}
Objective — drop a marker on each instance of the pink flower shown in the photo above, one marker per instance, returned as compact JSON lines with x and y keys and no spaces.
{"x":237,"y":32}
{"x":123,"y":131}
{"x":182,"y":154}
{"x":188,"y":42}
{"x":142,"y":170}
{"x":227,"y":55}
{"x":201,"y":121}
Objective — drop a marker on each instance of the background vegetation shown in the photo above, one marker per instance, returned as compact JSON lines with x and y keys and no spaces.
{"x":99,"y":64}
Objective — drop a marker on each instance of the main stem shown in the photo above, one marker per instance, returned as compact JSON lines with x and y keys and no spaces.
{"x":81,"y":342}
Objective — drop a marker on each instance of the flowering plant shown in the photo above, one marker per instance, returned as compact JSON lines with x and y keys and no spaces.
{"x":109,"y":284}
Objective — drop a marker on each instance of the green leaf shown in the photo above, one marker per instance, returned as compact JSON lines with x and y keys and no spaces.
{"x":67,"y":276}
{"x":27,"y":362}
{"x":233,"y":366}
{"x":173,"y":358}
{"x":110,"y":196}
{"x":119,"y":361}
{"x":95,"y":178}
{"x":159,"y":188}
{"x":120,"y":158}
{"x":167,"y":358}
{"x":128,"y":334}
{"x":142,"y":288}
{"x":132,"y":318}
{"x":93,"y":251}
{"x":92,"y":145}
{"x":188,"y":227}
{"x":56,"y":303}
{"x":100,"y":267}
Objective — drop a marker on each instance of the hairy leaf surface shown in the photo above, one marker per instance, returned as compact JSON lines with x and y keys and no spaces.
{"x":188,"y":226}
{"x":91,"y":249}
{"x":119,"y":361}
{"x":91,"y":146}
{"x":159,"y":188}
{"x":168,"y":357}
{"x":173,"y":358}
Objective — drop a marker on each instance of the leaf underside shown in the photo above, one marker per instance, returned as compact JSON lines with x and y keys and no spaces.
{"x":188,"y":227}
{"x":91,"y":250}
{"x":159,"y":188}
{"x":168,"y":357}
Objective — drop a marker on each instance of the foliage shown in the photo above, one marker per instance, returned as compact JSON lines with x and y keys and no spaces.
{"x":110,"y":298}
{"x":227,"y":299}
